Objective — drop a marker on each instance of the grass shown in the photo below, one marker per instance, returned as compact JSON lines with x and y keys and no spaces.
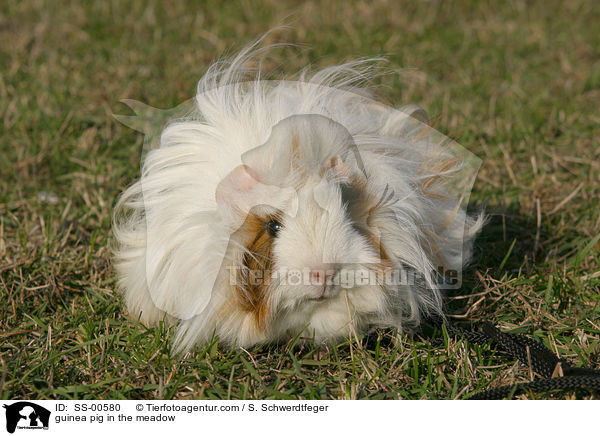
{"x":517,"y":83}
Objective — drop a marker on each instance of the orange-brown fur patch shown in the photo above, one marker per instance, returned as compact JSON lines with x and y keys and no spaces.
{"x":252,"y":294}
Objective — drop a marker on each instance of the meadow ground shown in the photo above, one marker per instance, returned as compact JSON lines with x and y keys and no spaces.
{"x":516,"y":82}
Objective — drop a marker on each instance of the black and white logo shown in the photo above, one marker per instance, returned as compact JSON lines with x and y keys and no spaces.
{"x":26,"y":415}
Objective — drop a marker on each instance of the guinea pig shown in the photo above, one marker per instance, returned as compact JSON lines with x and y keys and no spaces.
{"x":283,"y":209}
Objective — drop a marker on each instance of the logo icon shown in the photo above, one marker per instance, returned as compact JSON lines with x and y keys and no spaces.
{"x":26,"y":415}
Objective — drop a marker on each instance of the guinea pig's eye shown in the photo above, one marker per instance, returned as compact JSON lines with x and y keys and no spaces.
{"x":273,"y":227}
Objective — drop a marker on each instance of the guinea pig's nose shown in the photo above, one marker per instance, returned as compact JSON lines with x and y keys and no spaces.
{"x":317,"y":276}
{"x":320,"y":276}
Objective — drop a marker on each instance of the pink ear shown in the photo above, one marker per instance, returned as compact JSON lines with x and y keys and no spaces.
{"x":240,"y":180}
{"x":338,"y":166}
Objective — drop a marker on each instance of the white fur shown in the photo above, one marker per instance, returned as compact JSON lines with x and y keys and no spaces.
{"x":173,"y":233}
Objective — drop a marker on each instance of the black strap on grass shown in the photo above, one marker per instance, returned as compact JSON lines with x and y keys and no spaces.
{"x":553,"y":373}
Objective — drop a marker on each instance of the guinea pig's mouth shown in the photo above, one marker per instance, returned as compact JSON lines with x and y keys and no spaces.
{"x":318,"y":299}
{"x":327,"y":291}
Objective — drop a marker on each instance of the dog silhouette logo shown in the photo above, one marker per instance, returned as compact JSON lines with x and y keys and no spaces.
{"x":26,"y":415}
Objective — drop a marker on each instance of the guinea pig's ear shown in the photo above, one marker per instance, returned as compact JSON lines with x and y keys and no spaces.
{"x":241,"y":180}
{"x":338,"y":167}
{"x":334,"y":162}
{"x":343,"y":171}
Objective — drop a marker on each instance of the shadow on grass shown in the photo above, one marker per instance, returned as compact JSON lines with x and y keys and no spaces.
{"x":509,"y":243}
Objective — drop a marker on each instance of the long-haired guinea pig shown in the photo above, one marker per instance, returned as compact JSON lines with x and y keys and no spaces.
{"x":283,"y":209}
